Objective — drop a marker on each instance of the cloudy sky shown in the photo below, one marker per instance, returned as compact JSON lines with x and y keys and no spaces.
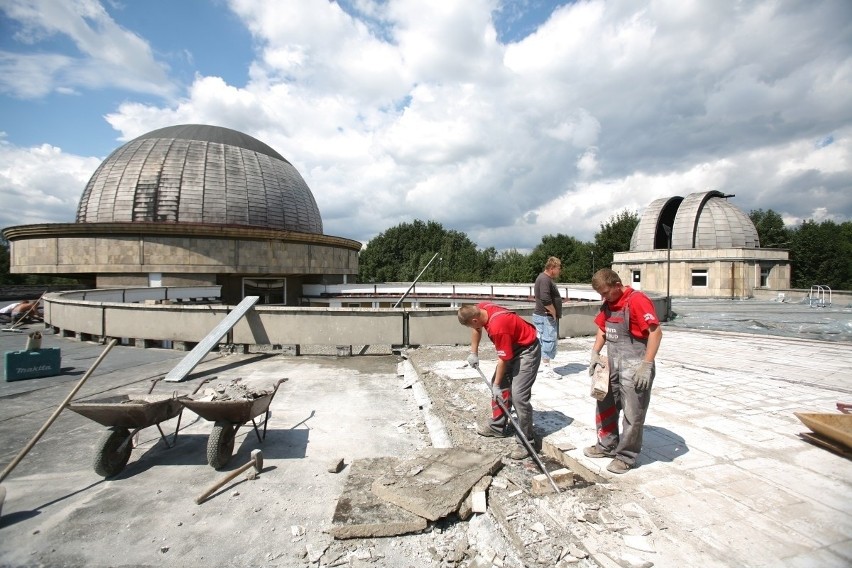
{"x":505,"y":119}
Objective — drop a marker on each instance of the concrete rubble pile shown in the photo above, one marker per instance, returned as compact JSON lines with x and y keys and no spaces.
{"x":233,"y":390}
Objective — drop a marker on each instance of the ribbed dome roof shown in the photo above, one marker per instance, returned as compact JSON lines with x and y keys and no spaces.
{"x":196,"y":173}
{"x":704,"y":220}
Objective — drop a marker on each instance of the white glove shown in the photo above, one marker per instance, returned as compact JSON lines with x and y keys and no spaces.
{"x":642,"y":377}
{"x":496,"y":391}
{"x":473,"y":360}
{"x":594,"y":361}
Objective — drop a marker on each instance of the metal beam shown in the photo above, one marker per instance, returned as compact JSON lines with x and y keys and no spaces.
{"x":201,"y":350}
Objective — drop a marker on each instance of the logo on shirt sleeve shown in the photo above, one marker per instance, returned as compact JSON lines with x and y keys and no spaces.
{"x":648,"y":317}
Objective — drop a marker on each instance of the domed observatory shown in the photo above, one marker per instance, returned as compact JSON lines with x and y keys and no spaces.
{"x":192,"y":205}
{"x":701,"y":246}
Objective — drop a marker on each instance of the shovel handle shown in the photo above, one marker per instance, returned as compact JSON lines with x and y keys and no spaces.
{"x":55,"y":414}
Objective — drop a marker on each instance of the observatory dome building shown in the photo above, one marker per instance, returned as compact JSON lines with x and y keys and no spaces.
{"x":700,"y":246}
{"x":192,"y":205}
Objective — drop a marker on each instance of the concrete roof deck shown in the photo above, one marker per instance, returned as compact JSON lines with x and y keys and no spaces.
{"x":723,"y":466}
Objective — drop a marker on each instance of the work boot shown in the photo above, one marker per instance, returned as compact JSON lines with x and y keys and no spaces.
{"x":595,"y":452}
{"x":490,"y":432}
{"x":618,"y":466}
{"x":519,"y":453}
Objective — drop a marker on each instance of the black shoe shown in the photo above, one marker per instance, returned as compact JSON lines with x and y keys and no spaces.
{"x":594,"y":452}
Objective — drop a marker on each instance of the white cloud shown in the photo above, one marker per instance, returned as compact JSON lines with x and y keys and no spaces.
{"x":107,"y":55}
{"x":411,"y":109}
{"x":31,"y":191}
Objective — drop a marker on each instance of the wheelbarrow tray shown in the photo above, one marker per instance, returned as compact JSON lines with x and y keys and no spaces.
{"x":233,"y":411}
{"x":837,"y":427}
{"x":124,"y":411}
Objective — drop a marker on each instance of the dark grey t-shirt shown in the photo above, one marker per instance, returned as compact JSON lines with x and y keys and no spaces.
{"x":546,"y":293}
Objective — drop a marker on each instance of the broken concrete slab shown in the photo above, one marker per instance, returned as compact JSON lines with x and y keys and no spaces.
{"x":361,"y":514}
{"x":435,"y":482}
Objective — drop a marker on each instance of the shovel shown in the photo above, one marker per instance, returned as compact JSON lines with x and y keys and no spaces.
{"x":519,"y":432}
{"x":50,"y":421}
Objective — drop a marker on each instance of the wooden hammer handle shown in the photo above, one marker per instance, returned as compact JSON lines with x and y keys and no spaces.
{"x":219,"y":484}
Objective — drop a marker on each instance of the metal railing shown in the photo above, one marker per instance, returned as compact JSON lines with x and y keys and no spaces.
{"x":817,"y":296}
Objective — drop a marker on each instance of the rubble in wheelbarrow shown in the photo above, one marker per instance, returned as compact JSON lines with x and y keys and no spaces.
{"x":233,"y":390}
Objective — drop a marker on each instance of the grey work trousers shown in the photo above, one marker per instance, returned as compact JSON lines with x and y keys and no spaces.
{"x":516,"y":390}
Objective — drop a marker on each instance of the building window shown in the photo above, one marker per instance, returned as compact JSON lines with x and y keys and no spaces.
{"x":699,"y":278}
{"x":764,"y":276}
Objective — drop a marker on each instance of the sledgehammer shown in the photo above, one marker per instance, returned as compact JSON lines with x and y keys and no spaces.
{"x":256,"y":462}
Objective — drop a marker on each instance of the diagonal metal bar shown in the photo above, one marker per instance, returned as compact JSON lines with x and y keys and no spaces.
{"x":201,"y":350}
{"x":521,"y":436}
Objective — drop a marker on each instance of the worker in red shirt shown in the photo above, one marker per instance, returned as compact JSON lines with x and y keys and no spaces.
{"x":628,"y":324}
{"x":518,"y":358}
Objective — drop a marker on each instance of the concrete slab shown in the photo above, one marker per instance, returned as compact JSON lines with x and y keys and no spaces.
{"x":434,"y":482}
{"x":361,"y":514}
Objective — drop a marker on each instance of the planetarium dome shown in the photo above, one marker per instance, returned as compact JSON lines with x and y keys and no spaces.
{"x":193,"y":173}
{"x":705,"y":220}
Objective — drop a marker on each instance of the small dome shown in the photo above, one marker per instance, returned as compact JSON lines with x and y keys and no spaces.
{"x":196,"y":173}
{"x":704,"y":220}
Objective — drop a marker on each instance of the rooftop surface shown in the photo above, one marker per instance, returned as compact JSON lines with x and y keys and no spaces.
{"x":723,"y":480}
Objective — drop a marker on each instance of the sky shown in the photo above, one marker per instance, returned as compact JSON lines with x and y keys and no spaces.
{"x":507,"y":120}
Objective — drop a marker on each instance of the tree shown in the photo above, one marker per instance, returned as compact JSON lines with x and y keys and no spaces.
{"x":511,"y":266}
{"x":573,"y":253}
{"x":821,"y":253}
{"x":770,"y":228}
{"x":614,"y":237}
{"x":401,"y":252}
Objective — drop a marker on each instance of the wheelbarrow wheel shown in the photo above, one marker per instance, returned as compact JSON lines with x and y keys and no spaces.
{"x":113,"y":453}
{"x":220,"y":444}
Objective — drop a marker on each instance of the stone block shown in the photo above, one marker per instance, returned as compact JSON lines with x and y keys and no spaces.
{"x":564,"y":478}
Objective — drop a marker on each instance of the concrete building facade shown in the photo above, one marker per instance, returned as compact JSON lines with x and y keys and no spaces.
{"x":700,"y":246}
{"x":192,"y":205}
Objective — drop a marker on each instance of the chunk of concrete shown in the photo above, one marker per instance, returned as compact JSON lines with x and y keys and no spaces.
{"x":563,"y":478}
{"x":435,"y":482}
{"x":552,"y":451}
{"x":361,"y":514}
{"x":336,"y":466}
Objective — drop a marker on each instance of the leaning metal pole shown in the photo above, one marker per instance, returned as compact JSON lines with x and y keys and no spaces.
{"x":396,"y":305}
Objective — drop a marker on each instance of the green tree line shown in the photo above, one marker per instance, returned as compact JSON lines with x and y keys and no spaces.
{"x":400,"y":253}
{"x":820,"y":253}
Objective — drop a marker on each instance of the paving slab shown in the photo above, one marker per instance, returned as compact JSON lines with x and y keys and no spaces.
{"x":361,"y":514}
{"x":434,"y":482}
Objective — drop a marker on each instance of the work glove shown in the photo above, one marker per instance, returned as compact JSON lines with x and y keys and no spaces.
{"x":473,"y":360}
{"x":642,"y":377}
{"x":496,"y":391}
{"x":594,"y":362}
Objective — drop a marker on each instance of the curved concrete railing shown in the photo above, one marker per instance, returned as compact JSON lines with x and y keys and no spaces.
{"x":172,"y":317}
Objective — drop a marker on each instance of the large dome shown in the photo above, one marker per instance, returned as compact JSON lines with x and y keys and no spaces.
{"x":699,"y":221}
{"x":197,"y":173}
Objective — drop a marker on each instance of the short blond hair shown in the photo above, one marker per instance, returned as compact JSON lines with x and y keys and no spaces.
{"x":467,"y":313}
{"x":605,"y":277}
{"x":551,"y":262}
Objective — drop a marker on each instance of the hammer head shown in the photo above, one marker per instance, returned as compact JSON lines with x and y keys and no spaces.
{"x":257,"y":458}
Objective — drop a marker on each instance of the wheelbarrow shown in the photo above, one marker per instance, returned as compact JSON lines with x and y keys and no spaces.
{"x":228,"y":416}
{"x":125,"y":416}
